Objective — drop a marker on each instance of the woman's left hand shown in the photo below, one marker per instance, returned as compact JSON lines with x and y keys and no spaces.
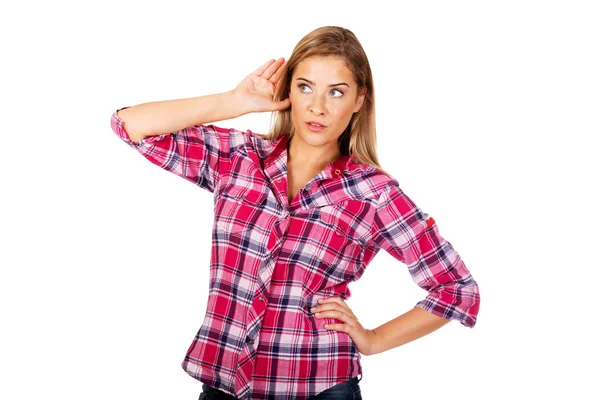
{"x":336,"y":307}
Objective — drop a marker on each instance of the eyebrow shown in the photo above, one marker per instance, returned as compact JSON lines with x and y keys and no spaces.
{"x":312,"y":83}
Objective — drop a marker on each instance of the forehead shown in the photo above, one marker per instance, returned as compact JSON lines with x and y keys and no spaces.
{"x":324,"y":70}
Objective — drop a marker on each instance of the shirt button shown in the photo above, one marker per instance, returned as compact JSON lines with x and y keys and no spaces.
{"x":337,"y":172}
{"x":338,"y":233}
{"x":262,"y":299}
{"x":278,"y":180}
{"x":251,"y":341}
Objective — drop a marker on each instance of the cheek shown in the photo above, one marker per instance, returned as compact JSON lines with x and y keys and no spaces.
{"x":298,"y":102}
{"x":295,"y":107}
{"x":342,"y":112}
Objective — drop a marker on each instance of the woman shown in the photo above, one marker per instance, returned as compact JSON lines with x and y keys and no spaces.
{"x":299,"y":213}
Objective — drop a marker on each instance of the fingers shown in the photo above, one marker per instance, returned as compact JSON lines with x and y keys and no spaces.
{"x":333,"y":304}
{"x":338,"y":327}
{"x":337,"y":314}
{"x":282,"y":105}
{"x":272,"y":68}
{"x":279,"y":73}
{"x":263,"y":67}
{"x":347,"y":320}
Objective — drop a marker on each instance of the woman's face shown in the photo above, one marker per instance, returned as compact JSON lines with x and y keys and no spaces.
{"x":323,"y":91}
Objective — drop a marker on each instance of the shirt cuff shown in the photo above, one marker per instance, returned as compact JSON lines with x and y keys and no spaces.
{"x":466,"y":313}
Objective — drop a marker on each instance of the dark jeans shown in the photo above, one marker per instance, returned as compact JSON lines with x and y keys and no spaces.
{"x":348,"y":390}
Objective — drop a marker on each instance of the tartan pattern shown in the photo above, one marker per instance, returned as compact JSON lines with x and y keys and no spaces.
{"x":271,"y":260}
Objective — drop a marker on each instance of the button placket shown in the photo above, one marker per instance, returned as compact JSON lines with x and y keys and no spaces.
{"x":281,"y":191}
{"x":257,"y":310}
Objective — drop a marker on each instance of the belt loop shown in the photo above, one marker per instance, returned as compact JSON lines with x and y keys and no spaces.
{"x":361,"y":376}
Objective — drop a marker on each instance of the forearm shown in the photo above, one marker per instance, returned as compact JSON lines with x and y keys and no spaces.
{"x":159,"y":117}
{"x":405,"y":328}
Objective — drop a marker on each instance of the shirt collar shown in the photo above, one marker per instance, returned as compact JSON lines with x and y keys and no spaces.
{"x":272,"y":150}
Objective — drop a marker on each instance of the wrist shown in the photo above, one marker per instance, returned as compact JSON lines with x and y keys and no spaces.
{"x":373,"y":342}
{"x":237,"y":103}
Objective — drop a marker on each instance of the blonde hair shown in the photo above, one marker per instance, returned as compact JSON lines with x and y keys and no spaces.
{"x":359,"y":139}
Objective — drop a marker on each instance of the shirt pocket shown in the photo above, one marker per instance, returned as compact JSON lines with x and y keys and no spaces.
{"x":335,"y":249}
{"x":238,"y":209}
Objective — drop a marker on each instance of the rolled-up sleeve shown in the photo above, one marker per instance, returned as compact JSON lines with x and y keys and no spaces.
{"x":192,"y":153}
{"x":412,"y":237}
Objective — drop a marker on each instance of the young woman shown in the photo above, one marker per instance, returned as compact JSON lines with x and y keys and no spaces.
{"x":299,"y":213}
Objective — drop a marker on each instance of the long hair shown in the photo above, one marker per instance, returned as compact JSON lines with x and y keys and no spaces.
{"x":359,"y":138}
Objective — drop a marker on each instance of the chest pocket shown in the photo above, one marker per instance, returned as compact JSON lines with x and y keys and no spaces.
{"x":237,"y":210}
{"x":335,"y":247}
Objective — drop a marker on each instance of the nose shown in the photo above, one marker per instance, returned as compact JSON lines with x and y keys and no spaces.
{"x":318,"y":105}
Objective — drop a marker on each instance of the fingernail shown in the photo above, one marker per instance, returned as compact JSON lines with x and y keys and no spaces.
{"x":320,"y":301}
{"x":312,"y":309}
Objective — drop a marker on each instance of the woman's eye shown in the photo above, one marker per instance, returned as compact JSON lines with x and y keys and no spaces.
{"x":335,"y":92}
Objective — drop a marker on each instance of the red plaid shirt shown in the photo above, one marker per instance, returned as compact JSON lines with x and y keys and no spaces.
{"x":271,"y":260}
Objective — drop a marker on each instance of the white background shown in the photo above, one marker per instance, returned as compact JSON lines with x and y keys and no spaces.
{"x":487,"y":114}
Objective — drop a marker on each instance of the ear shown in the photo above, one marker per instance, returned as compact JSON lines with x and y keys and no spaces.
{"x":360,"y":99}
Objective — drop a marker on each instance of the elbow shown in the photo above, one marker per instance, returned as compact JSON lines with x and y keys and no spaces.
{"x":457,"y":300}
{"x":135,"y":138}
{"x":464,"y":296}
{"x":128,"y":131}
{"x":467,"y":302}
{"x":132,"y":135}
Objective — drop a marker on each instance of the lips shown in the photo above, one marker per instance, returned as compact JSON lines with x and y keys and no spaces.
{"x":315,"y":126}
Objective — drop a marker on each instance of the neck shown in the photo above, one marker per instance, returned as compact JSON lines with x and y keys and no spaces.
{"x":305,"y":156}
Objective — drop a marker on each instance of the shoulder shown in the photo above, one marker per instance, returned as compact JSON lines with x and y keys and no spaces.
{"x":232,"y":134}
{"x":259,"y":143}
{"x":380,"y":181}
{"x":237,"y":138}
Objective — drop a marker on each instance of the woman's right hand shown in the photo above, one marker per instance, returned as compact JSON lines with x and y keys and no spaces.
{"x":257,"y":89}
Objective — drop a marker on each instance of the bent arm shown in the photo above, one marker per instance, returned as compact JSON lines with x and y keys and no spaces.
{"x":407,"y":327}
{"x":160,"y":117}
{"x":412,"y":236}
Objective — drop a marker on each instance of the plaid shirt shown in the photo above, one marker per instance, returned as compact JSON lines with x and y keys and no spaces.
{"x":271,"y":260}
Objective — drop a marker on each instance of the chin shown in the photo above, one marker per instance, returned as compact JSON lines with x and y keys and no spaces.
{"x":316,"y":140}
